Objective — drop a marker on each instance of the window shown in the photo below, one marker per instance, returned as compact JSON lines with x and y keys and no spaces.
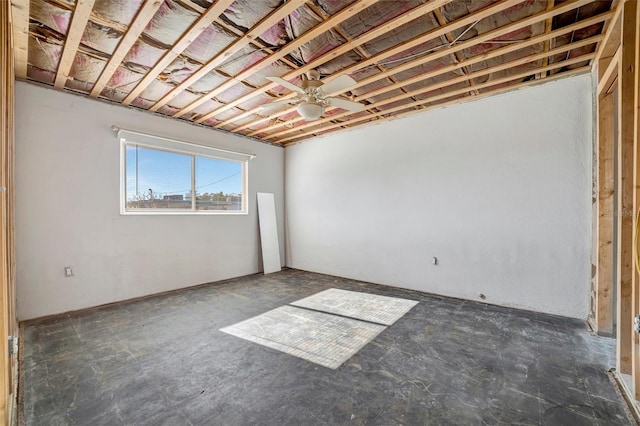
{"x":171,"y":177}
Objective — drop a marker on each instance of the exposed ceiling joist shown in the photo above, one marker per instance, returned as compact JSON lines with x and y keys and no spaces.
{"x":357,"y":41}
{"x":74,"y":35}
{"x":547,"y":29}
{"x":20,"y":25}
{"x":474,"y":60}
{"x":233,"y":30}
{"x":144,"y":15}
{"x":499,"y":32}
{"x":211,"y":65}
{"x":211,"y":14}
{"x":451,"y":40}
{"x":93,"y":17}
{"x":609,"y":44}
{"x":483,"y":94}
{"x":255,"y":32}
{"x":440,"y":97}
{"x":430,"y":35}
{"x":314,"y":32}
{"x":479,"y":74}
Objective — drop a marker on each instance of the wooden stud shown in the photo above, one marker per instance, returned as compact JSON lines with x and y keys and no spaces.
{"x":212,"y":13}
{"x":7,"y":255}
{"x":609,"y":74}
{"x":481,"y":14}
{"x":626,"y":193}
{"x":314,"y":32}
{"x":5,"y":86}
{"x":144,"y":15}
{"x":20,"y":24}
{"x":631,"y":33}
{"x":255,"y":32}
{"x":514,"y":78}
{"x":74,"y":35}
{"x":605,"y":208}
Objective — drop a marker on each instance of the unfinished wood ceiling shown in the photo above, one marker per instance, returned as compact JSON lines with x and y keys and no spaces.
{"x":208,"y":61}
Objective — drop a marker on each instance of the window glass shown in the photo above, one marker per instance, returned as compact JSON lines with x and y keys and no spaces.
{"x":162,"y":179}
{"x":157,"y":179}
{"x":218,"y":184}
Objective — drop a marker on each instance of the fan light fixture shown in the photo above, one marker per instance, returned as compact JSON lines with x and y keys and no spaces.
{"x":314,"y":95}
{"x":310,"y":110}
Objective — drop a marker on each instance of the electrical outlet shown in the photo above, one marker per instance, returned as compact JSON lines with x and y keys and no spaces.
{"x":68,"y":271}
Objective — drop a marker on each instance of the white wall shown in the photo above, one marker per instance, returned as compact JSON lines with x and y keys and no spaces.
{"x":499,"y":189}
{"x":67,"y":209}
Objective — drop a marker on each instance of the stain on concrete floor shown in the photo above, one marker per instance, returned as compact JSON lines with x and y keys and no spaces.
{"x":163,"y":361}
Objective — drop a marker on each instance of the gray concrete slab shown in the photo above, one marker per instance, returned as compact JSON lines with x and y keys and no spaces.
{"x":163,"y":361}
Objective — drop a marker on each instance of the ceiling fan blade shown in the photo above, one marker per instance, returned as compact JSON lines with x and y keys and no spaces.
{"x":345,"y":104}
{"x":337,"y":85}
{"x":284,"y":83}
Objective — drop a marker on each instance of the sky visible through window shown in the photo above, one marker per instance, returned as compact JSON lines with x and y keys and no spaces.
{"x":169,"y":173}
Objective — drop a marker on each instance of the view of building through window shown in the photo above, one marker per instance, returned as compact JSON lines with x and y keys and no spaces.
{"x":161,"y":179}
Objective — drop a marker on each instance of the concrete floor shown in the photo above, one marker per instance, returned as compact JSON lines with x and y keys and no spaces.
{"x":163,"y":361}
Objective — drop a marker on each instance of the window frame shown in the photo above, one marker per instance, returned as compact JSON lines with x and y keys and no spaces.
{"x":133,"y":139}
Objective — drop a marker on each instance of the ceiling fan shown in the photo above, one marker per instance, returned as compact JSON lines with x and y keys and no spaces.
{"x":313,"y":95}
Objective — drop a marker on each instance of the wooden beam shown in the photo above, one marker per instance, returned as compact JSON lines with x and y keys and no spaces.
{"x":482,"y":57}
{"x":233,"y":30}
{"x":631,"y":34}
{"x":360,"y":49}
{"x":5,"y":87}
{"x":609,"y":74}
{"x":605,"y":208}
{"x":447,"y":83}
{"x":421,"y":108}
{"x":626,"y":191}
{"x":93,"y":17}
{"x":514,"y":78}
{"x":144,"y":15}
{"x":363,"y":38}
{"x":20,"y":24}
{"x":483,"y":13}
{"x":314,"y":32}
{"x":548,"y":24}
{"x":74,"y":35}
{"x":611,"y":40}
{"x":212,"y":13}
{"x":121,"y":28}
{"x":255,"y":32}
{"x":7,"y":293}
{"x":457,"y":57}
